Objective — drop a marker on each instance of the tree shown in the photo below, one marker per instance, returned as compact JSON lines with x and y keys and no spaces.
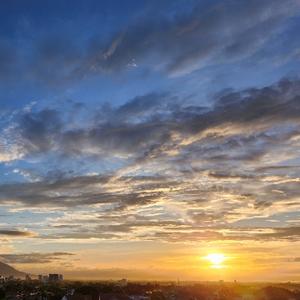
{"x":158,"y":296}
{"x":2,"y":294}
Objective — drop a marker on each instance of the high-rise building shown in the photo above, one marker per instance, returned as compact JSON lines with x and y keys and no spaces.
{"x":55,"y":277}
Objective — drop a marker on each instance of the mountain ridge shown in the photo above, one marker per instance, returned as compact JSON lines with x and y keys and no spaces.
{"x":7,"y":270}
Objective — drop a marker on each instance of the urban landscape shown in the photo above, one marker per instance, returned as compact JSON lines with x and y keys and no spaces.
{"x":149,"y":149}
{"x":32,"y":289}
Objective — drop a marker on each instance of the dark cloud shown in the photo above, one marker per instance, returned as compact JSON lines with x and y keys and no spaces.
{"x":176,"y":44}
{"x":186,"y":236}
{"x":272,"y":168}
{"x":252,"y":113}
{"x":193,"y":157}
{"x":147,"y":125}
{"x":192,"y":234}
{"x":115,"y":231}
{"x":297,"y":259}
{"x":84,"y":190}
{"x":34,"y":258}
{"x":285,"y":233}
{"x":226,"y":175}
{"x":179,"y":232}
{"x":265,"y":234}
{"x":16,"y":233}
{"x":142,"y":107}
{"x":39,"y":130}
{"x":188,"y":42}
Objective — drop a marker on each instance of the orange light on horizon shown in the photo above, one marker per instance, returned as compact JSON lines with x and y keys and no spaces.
{"x":216,"y":260}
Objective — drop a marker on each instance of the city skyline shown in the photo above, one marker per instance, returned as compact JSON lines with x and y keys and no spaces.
{"x":151,"y":141}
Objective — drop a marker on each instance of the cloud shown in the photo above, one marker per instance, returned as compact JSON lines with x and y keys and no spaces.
{"x":150,"y":125}
{"x":34,"y":258}
{"x":16,"y":233}
{"x":178,"y":44}
{"x":205,"y":167}
{"x":38,"y":131}
{"x":187,"y":42}
{"x":76,"y":191}
{"x":194,"y":234}
{"x":288,"y":232}
{"x":297,"y":259}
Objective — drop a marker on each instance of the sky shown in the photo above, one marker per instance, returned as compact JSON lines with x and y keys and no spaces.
{"x":139,"y":137}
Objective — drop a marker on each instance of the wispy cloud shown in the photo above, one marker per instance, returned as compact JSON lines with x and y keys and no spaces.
{"x":175,"y":44}
{"x":207,"y":168}
{"x":34,"y":258}
{"x":16,"y":233}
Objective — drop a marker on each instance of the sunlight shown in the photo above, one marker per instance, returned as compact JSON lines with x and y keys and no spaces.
{"x":216,"y":260}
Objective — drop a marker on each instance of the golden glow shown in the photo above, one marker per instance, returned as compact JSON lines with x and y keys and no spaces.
{"x":216,"y":260}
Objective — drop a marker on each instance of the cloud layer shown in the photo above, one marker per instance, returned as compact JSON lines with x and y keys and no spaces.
{"x":175,"y":44}
{"x":132,"y":127}
{"x":209,"y":168}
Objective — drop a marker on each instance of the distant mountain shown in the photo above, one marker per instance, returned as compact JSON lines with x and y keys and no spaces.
{"x":6,"y":270}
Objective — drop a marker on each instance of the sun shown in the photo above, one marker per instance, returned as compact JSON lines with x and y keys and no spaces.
{"x":216,"y":260}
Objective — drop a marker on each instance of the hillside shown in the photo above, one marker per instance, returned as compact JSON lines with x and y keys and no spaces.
{"x":7,"y":270}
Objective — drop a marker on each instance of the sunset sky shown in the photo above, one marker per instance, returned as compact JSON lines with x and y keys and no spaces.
{"x":151,"y":139}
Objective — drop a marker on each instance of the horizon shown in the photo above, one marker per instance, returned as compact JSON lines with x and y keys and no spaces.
{"x":147,"y":140}
{"x":115,"y":280}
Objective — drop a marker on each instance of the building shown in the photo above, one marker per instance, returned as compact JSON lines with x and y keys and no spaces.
{"x":43,"y":278}
{"x":122,"y":283}
{"x":27,"y":277}
{"x":55,"y":277}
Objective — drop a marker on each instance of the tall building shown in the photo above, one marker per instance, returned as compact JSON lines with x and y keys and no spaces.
{"x":43,"y":278}
{"x":55,"y":277}
{"x":28,"y":278}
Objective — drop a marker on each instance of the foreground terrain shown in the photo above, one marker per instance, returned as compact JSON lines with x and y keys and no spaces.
{"x":68,"y":290}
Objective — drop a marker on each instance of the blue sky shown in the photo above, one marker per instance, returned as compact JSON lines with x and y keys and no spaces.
{"x":136,"y":122}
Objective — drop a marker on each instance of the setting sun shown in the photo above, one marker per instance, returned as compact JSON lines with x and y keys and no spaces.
{"x":216,"y":259}
{"x":150,"y":142}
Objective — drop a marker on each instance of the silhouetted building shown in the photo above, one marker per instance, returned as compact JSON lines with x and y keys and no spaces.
{"x":43,"y":278}
{"x":122,"y":283}
{"x":27,"y":277}
{"x":55,"y":277}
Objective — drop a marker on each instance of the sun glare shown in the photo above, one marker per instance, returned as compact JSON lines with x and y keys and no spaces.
{"x":216,"y":259}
